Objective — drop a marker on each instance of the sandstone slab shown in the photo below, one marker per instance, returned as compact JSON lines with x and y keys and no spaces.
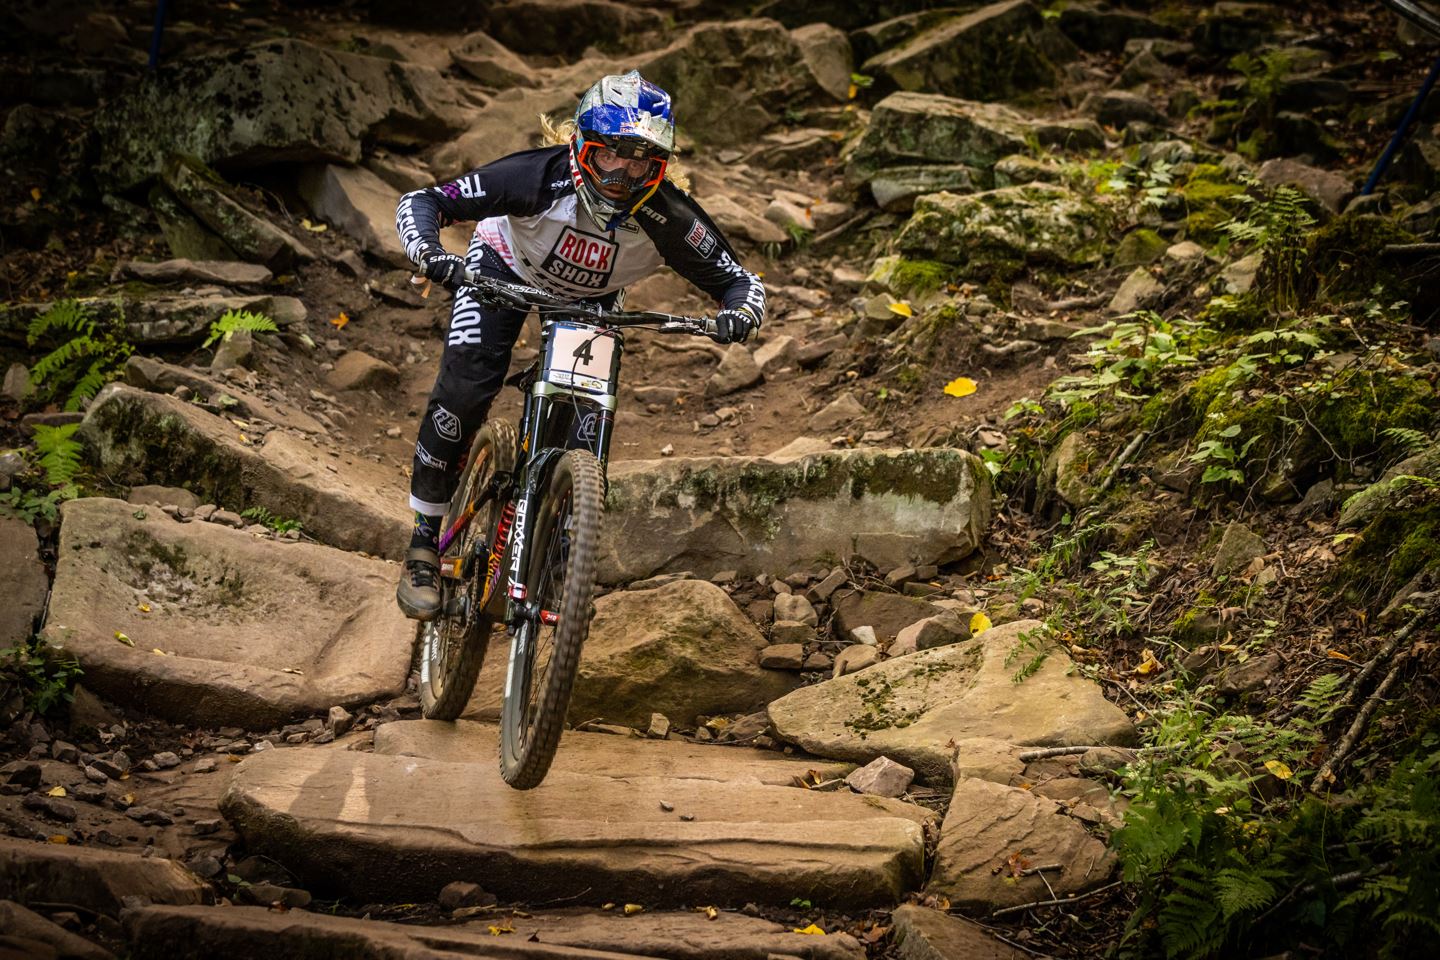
{"x":782,"y":513}
{"x":887,"y":613}
{"x":606,"y":755}
{"x":375,"y":826}
{"x":25,"y":581}
{"x":229,"y":273}
{"x":992,"y":832}
{"x":251,"y":632}
{"x":491,"y":62}
{"x":359,"y":204}
{"x":914,"y":708}
{"x":157,"y":376}
{"x":26,"y":925}
{"x":925,"y":934}
{"x":94,"y":880}
{"x":138,"y":437}
{"x":215,"y":205}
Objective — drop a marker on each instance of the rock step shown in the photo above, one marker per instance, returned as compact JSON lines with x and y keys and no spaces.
{"x":607,"y":755}
{"x":382,"y":827}
{"x":246,"y":932}
{"x":92,"y":880}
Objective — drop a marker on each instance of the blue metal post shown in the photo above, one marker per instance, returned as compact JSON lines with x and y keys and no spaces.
{"x":160,"y":6}
{"x":1384,"y":162}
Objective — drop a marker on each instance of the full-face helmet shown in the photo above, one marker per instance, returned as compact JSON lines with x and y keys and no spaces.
{"x":624,"y":135}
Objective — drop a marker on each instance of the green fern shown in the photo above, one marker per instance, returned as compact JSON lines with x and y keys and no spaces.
{"x":233,"y":321}
{"x":59,"y":453}
{"x":1411,"y":441}
{"x":89,"y":353}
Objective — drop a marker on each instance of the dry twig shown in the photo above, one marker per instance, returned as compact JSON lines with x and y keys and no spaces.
{"x":1061,"y":901}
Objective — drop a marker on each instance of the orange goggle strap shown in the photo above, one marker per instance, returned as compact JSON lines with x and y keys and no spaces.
{"x":649,"y":186}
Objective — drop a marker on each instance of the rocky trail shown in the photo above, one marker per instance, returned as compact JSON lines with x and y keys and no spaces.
{"x":905,"y":607}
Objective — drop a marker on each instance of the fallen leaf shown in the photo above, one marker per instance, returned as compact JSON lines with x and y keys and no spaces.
{"x":313,"y":227}
{"x":496,"y":931}
{"x":633,"y":908}
{"x":157,"y":650}
{"x":1279,"y":769}
{"x":812,"y":930}
{"x":979,"y":623}
{"x":960,"y":387}
{"x":607,"y":906}
{"x":711,"y":913}
{"x":1148,"y":664}
{"x":903,"y":309}
{"x":128,"y":799}
{"x":144,"y":608}
{"x":339,"y":322}
{"x":55,"y":792}
{"x":293,"y":670}
{"x":58,"y":838}
{"x":1336,"y":655}
{"x":35,"y":194}
{"x":124,"y":639}
{"x":851,"y":91}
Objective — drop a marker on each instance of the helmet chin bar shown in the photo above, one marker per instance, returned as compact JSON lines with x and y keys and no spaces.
{"x":608,"y":211}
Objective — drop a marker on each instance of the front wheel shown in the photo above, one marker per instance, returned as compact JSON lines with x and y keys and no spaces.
{"x":545,"y":650}
{"x":452,"y":646}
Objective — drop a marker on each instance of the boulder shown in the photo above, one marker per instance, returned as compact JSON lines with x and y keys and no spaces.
{"x":283,"y":100}
{"x":26,"y":584}
{"x":756,"y":62}
{"x":911,"y":708}
{"x":97,"y":881}
{"x":826,"y":52}
{"x":838,"y":414}
{"x":349,"y":821}
{"x":1328,"y":189}
{"x":999,"y":232}
{"x":25,"y":925}
{"x":1239,"y":545}
{"x":491,"y":62}
{"x":992,"y":53}
{"x":1139,"y":289}
{"x":357,"y":370}
{"x":870,"y":39}
{"x":781,"y":513}
{"x":1120,"y":108}
{"x":775,"y":354}
{"x":160,"y":320}
{"x":185,"y":236}
{"x":506,"y":124}
{"x":1094,"y":27}
{"x":923,"y":933}
{"x":259,"y":931}
{"x":887,"y":613}
{"x":347,"y":502}
{"x":737,"y":371}
{"x":682,"y":649}
{"x":223,"y":628}
{"x":1067,"y":471}
{"x":567,"y":27}
{"x":606,"y":755}
{"x":882,"y":777}
{"x":226,"y":273}
{"x":156,"y":376}
{"x":735,"y":220}
{"x":357,"y":203}
{"x":215,"y":205}
{"x":992,"y":832}
{"x":895,"y":188}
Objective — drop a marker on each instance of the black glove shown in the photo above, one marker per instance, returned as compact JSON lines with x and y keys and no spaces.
{"x":734,"y":326}
{"x":446,"y":269}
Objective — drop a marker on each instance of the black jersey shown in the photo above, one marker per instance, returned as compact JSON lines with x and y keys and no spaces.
{"x":529,"y":215}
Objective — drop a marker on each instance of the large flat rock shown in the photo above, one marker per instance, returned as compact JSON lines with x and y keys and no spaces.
{"x":606,"y":755}
{"x":916,"y":708}
{"x":253,"y":631}
{"x":777,"y":514}
{"x":375,"y":827}
{"x":925,"y":934}
{"x":93,"y":880}
{"x":157,"y":376}
{"x":25,"y":581}
{"x":136,"y":437}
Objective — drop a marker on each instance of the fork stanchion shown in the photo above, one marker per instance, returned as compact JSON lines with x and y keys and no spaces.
{"x":1400,"y":132}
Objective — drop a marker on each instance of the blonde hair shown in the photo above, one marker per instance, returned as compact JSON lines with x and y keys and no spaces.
{"x":558,"y":134}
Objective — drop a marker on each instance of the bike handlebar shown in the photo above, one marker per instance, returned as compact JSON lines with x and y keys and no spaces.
{"x":521,"y":297}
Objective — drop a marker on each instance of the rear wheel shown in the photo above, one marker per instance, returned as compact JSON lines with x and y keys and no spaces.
{"x":452,"y":646}
{"x":545,"y":650}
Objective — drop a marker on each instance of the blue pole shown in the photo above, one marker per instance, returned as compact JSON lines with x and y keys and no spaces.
{"x":1384,"y":162}
{"x":155,"y":34}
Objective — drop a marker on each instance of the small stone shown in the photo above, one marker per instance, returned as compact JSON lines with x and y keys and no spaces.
{"x":64,"y":752}
{"x":266,"y":894}
{"x":340,"y":720}
{"x":150,"y":816}
{"x":166,"y":760}
{"x":263,"y":745}
{"x":791,"y":632}
{"x":53,"y":807}
{"x":659,"y":727}
{"x":864,"y":635}
{"x":855,"y":658}
{"x":89,"y":792}
{"x":666,"y":805}
{"x":462,"y":893}
{"x":203,"y":828}
{"x":95,"y":775}
{"x":205,"y":765}
{"x":794,"y":607}
{"x":881,"y":777}
{"x":228,"y":519}
{"x":818,"y":661}
{"x":782,"y":656}
{"x":22,"y":773}
{"x":205,"y":511}
{"x":394,"y":433}
{"x":108,"y":768}
{"x":206,"y":868}
{"x":821,"y":591}
{"x":900,"y":576}
{"x":1238,"y":546}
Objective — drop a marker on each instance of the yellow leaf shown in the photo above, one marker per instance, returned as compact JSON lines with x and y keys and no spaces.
{"x":1148,"y":663}
{"x":56,"y":792}
{"x":339,"y":322}
{"x":711,"y":913}
{"x":35,"y":194}
{"x":496,"y":931}
{"x":124,"y":639}
{"x":607,"y":906}
{"x":1336,"y":655}
{"x":980,"y":623}
{"x":244,"y":439}
{"x":128,"y":799}
{"x":144,"y":608}
{"x":157,"y":650}
{"x":1279,"y":769}
{"x":633,"y":908}
{"x":59,"y":838}
{"x":960,"y":387}
{"x":812,"y":930}
{"x":313,"y":227}
{"x":903,"y":309}
{"x":851,"y":91}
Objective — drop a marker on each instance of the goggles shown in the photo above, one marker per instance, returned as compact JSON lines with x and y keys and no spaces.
{"x":630,"y":164}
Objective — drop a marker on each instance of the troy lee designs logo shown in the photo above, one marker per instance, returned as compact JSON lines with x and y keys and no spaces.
{"x":581,"y":260}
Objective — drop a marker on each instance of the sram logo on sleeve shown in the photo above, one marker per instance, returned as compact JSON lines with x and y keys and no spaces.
{"x":581,"y":260}
{"x":701,"y":239}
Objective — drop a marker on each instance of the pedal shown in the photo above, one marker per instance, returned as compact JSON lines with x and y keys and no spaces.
{"x":456,"y":606}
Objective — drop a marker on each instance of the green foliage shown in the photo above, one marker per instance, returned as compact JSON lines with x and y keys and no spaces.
{"x":1034,"y":647}
{"x":1129,"y":364}
{"x":43,"y":678}
{"x":88,"y":354}
{"x":233,"y":321}
{"x":1222,"y":460}
{"x":1277,"y":223}
{"x":57,"y":456}
{"x":265,"y":518}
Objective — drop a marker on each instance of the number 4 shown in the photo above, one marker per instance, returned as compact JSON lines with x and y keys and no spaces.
{"x":582,"y":353}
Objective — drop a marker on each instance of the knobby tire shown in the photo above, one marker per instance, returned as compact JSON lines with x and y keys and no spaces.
{"x":564,"y":552}
{"x":451,"y":665}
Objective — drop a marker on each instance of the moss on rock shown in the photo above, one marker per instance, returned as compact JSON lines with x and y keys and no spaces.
{"x":1343,"y":260}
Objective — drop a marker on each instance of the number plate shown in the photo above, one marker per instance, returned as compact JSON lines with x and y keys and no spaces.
{"x":581,"y":358}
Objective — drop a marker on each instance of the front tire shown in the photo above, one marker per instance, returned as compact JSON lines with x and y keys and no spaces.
{"x":564,"y":551}
{"x":452,"y":646}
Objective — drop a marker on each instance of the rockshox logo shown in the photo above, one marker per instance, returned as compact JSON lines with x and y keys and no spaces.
{"x":701,"y":239}
{"x":580,"y":260}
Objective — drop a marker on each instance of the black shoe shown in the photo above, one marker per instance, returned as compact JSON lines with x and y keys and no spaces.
{"x":419,"y":590}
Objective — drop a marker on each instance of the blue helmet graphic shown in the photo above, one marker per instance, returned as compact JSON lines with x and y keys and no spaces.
{"x":625,"y":133}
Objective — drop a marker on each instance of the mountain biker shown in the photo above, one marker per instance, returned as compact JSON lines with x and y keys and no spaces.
{"x":580,"y":220}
